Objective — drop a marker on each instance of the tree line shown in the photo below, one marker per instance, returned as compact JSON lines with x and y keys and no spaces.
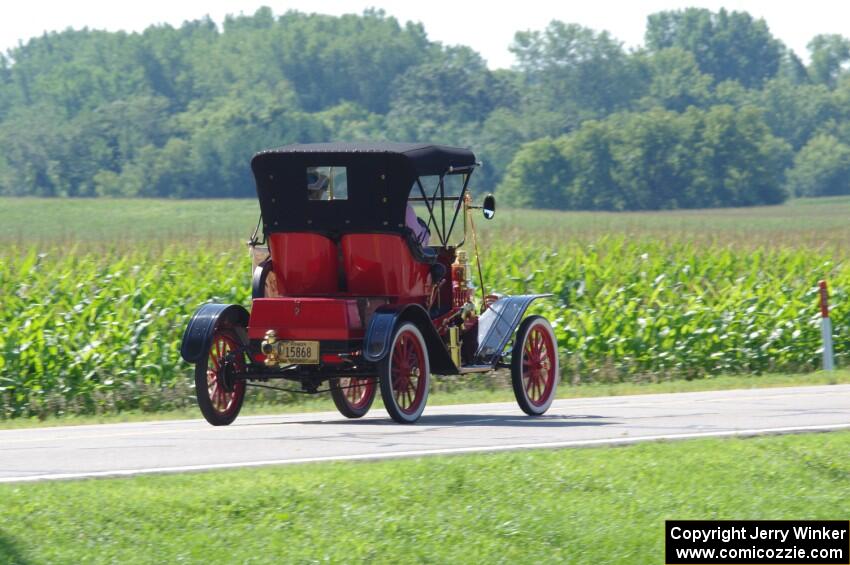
{"x":711,"y":111}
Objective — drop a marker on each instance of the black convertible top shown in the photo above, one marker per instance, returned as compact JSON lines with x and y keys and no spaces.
{"x":380,"y":176}
{"x":425,"y":158}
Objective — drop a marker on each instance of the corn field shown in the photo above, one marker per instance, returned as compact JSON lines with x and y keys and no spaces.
{"x":654,"y":310}
{"x":99,"y":331}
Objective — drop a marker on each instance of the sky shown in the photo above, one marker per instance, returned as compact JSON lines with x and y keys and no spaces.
{"x":488,"y":27}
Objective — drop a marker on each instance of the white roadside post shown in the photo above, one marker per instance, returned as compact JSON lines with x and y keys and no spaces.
{"x":826,"y":328}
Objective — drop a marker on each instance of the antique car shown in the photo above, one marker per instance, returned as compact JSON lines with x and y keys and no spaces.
{"x":350,"y":296}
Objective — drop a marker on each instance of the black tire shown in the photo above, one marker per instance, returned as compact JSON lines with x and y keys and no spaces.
{"x":218,"y":406}
{"x":353,"y":396}
{"x":405,"y":375}
{"x":535,"y":372}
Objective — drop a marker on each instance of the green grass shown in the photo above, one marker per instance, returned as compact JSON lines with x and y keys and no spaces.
{"x":600,"y":505}
{"x":46,"y":220}
{"x":810,"y":222}
{"x":447,"y":392}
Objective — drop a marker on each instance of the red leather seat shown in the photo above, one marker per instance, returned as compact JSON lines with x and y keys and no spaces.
{"x":380,"y":264}
{"x":305,"y":264}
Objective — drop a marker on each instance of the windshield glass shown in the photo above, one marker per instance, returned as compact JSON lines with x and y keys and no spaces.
{"x":443,"y":224}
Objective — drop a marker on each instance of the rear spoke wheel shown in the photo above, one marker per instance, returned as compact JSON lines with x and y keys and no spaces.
{"x":219,"y":403}
{"x":404,"y":375}
{"x":353,"y":396}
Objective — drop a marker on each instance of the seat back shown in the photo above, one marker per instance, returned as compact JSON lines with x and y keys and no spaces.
{"x":305,"y":264}
{"x":381,"y":264}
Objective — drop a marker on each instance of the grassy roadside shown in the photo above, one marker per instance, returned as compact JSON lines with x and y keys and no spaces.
{"x":577,"y":506}
{"x":456,"y":395}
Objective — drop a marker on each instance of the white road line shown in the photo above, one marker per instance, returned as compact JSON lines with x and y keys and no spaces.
{"x":416,"y":453}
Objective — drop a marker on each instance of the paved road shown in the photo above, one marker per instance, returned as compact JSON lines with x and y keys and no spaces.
{"x":188,"y":445}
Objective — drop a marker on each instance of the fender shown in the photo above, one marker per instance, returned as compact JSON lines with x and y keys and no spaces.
{"x":497,"y":325}
{"x":258,"y":281}
{"x":202,"y":325}
{"x":386,"y":319}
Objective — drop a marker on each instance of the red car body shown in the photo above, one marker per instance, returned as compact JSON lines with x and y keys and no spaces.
{"x":347,"y":297}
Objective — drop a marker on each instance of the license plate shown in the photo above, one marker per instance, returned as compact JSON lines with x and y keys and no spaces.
{"x":299,"y":352}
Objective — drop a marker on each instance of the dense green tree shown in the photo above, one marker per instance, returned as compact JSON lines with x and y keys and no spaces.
{"x":497,"y":141}
{"x":795,"y":111}
{"x":572,"y":65}
{"x":350,"y":122}
{"x":733,"y":93}
{"x":590,"y":154}
{"x":33,"y":149}
{"x":538,"y":176}
{"x":579,"y":122}
{"x":452,"y":85}
{"x":656,"y":159}
{"x":792,"y":68}
{"x":829,"y":54}
{"x":726,"y":45}
{"x":742,"y":163}
{"x":839,"y":124}
{"x":675,"y":81}
{"x":821,"y":168}
{"x":6,"y":87}
{"x":355,"y":58}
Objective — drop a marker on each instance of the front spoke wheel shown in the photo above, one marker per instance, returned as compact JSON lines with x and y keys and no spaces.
{"x":535,"y":372}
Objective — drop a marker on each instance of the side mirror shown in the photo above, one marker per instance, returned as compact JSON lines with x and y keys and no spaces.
{"x":489,"y":206}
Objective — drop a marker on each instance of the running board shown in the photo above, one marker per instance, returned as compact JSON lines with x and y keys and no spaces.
{"x":476,"y":369}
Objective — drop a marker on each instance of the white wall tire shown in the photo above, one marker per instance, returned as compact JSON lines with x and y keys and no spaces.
{"x":405,"y":375}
